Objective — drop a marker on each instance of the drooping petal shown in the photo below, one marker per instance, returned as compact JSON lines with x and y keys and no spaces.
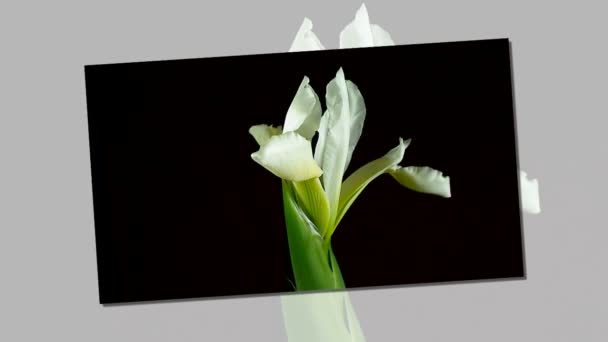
{"x":305,"y":39}
{"x":358,"y":180}
{"x":360,"y":33}
{"x":528,"y":188}
{"x":357,"y":109}
{"x":422,"y":179}
{"x":288,"y":156}
{"x":332,"y":146}
{"x":263,"y":133}
{"x":304,"y":113}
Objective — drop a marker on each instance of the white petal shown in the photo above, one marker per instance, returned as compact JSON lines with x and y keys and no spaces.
{"x":263,"y":133}
{"x":320,"y":147}
{"x":288,"y":156}
{"x":423,"y":179}
{"x":305,"y":39}
{"x":357,"y":110}
{"x":381,"y":37}
{"x":333,"y":144}
{"x":357,"y":33}
{"x":324,"y":317}
{"x":358,"y":180}
{"x":304,"y":113}
{"x":528,"y":188}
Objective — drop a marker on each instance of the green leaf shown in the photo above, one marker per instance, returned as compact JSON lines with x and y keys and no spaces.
{"x":313,"y":262}
{"x":312,"y":199}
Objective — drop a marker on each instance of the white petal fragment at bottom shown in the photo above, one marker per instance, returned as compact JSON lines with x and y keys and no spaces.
{"x":528,"y":188}
{"x":305,"y":39}
{"x":320,"y":317}
{"x":288,"y":156}
{"x":263,"y":133}
{"x":423,"y":179}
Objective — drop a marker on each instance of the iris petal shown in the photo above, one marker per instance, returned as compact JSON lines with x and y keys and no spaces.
{"x":422,"y":179}
{"x":288,"y":156}
{"x":332,"y":147}
{"x":305,"y":39}
{"x":263,"y":133}
{"x":360,"y":33}
{"x":356,"y":182}
{"x":304,"y":113}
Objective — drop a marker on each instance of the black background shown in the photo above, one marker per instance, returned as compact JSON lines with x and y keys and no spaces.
{"x":181,"y":210}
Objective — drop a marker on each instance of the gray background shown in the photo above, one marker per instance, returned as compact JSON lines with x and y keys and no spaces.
{"x":48,"y":286}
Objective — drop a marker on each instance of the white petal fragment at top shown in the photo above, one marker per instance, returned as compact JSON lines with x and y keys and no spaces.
{"x":304,"y":113}
{"x":528,"y":188}
{"x":423,"y":179}
{"x":305,"y":39}
{"x":381,"y":36}
{"x":288,"y":156}
{"x":360,"y":33}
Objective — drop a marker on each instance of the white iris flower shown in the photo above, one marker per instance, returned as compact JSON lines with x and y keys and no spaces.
{"x":318,"y":178}
{"x":361,"y":33}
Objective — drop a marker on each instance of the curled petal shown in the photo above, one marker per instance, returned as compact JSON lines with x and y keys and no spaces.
{"x":288,"y":156}
{"x":528,"y":188}
{"x":305,"y":39}
{"x":263,"y":133}
{"x":422,"y":179}
{"x":360,"y":33}
{"x":304,"y":113}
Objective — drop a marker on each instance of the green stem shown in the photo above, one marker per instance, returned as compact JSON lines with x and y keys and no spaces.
{"x":312,"y":258}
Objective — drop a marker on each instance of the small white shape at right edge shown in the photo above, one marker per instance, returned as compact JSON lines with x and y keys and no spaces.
{"x":528,"y":189}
